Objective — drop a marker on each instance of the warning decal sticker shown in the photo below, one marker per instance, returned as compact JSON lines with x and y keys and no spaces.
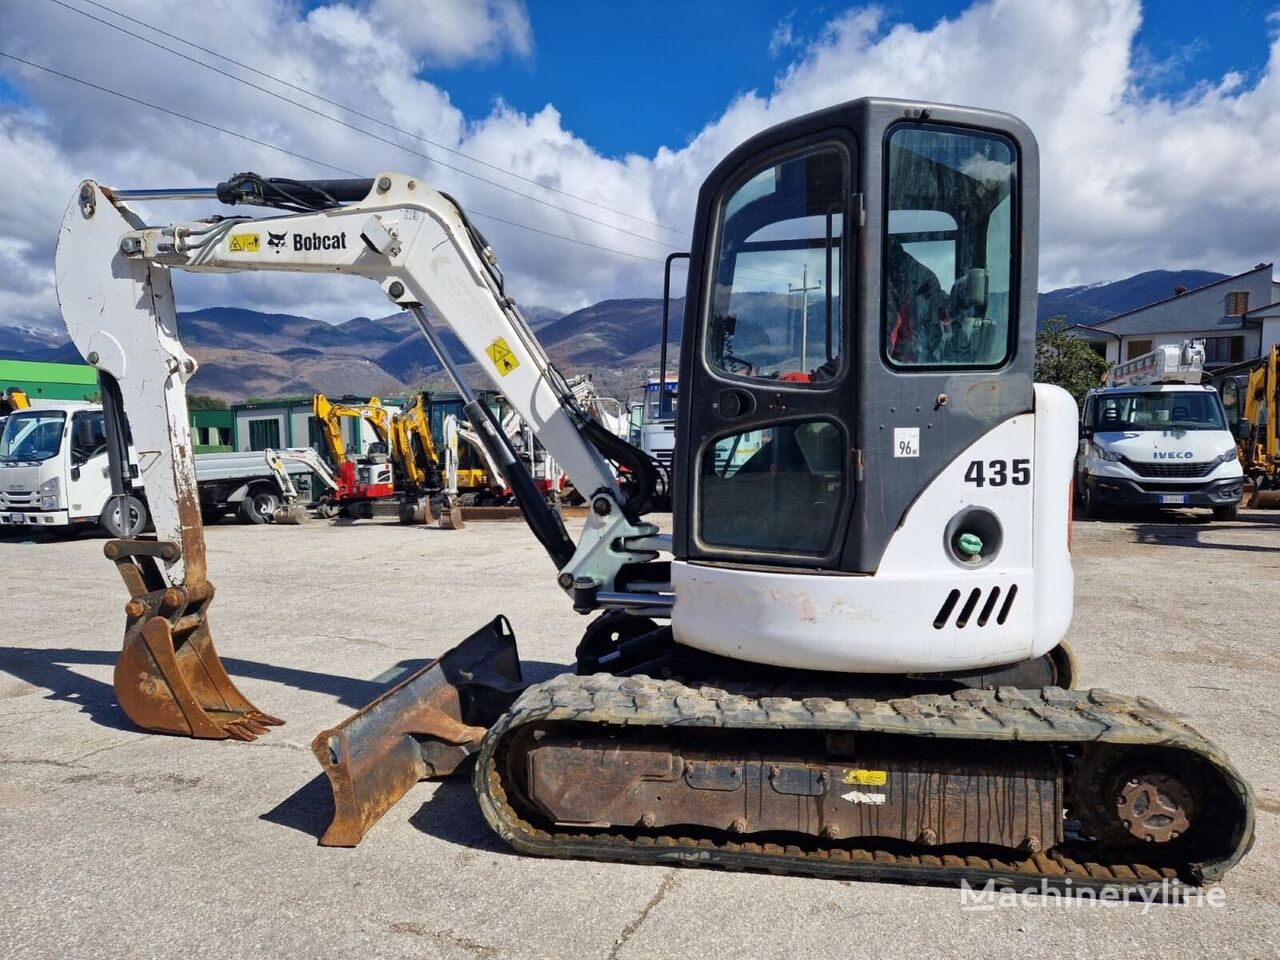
{"x":244,"y":243}
{"x":502,"y":356}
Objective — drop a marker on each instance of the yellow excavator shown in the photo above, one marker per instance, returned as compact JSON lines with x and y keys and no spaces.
{"x":362,"y":477}
{"x":417,"y":461}
{"x":13,"y":399}
{"x":1251,"y":395}
{"x":846,"y":659}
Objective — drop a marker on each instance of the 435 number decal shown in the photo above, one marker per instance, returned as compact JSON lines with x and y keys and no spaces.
{"x":998,"y":472}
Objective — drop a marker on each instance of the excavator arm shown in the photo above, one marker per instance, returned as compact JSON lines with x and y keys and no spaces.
{"x":113,"y":278}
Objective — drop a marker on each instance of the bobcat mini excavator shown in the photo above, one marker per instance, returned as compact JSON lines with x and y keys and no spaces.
{"x":846,"y":660}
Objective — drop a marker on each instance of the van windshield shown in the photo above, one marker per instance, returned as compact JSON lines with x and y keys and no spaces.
{"x":32,"y":435}
{"x":1199,"y":410}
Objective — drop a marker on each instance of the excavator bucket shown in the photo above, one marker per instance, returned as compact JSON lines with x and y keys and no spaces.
{"x":424,"y":727}
{"x":169,"y":677}
{"x":291,"y":514}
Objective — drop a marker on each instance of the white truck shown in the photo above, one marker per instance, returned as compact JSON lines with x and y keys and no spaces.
{"x":53,"y":474}
{"x":653,"y":420}
{"x":1156,"y":436}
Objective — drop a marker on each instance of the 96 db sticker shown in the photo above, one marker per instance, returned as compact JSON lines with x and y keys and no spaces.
{"x":906,"y":441}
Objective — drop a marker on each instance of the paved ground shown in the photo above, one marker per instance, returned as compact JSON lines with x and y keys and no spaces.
{"x":115,"y":843}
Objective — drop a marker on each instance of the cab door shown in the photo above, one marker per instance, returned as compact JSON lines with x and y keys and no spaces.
{"x":88,"y":485}
{"x":768,"y":459}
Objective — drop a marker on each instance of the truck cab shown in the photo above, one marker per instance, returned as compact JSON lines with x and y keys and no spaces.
{"x":1155,"y":436}
{"x":53,"y":466}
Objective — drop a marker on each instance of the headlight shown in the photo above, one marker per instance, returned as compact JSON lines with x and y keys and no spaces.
{"x":1226,"y":456}
{"x":49,"y":494}
{"x":1106,"y":454}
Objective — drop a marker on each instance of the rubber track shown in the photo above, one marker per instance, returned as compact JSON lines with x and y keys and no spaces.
{"x":1048,"y":715}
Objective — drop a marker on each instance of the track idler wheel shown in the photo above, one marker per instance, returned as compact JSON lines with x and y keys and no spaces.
{"x":1125,"y":800}
{"x":169,"y":677}
{"x":1154,"y":807}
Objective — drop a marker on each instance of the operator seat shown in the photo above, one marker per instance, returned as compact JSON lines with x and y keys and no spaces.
{"x":916,"y":308}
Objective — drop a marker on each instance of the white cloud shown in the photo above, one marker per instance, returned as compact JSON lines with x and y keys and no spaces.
{"x":449,"y":32}
{"x":782,"y":38}
{"x":1130,"y":180}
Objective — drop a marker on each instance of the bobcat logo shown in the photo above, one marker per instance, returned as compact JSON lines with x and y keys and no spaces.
{"x":276,"y":240}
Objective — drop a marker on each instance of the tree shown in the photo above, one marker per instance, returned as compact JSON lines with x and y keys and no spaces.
{"x":197,"y":401}
{"x":1067,"y":361}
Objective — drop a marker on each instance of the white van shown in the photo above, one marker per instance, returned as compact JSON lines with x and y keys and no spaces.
{"x":1162,"y":445}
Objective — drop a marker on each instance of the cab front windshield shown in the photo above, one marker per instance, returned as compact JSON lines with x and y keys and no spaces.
{"x":660,"y":404}
{"x":32,"y":435}
{"x":1159,"y":411}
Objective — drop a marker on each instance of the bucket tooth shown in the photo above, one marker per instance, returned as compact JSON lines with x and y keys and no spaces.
{"x":425,"y":726}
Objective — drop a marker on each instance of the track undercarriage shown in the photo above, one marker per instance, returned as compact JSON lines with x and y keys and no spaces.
{"x":715,"y":762}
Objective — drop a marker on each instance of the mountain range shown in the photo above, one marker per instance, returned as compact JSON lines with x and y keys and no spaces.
{"x":246,"y":354}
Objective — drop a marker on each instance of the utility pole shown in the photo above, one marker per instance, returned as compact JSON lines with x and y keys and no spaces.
{"x":803,"y":290}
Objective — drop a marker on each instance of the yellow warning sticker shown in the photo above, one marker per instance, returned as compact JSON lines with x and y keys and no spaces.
{"x":502,"y":356}
{"x":866,"y":778}
{"x":245,"y":243}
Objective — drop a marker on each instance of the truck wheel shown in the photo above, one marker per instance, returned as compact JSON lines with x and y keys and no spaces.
{"x":1227,"y":511}
{"x":259,"y":504}
{"x":110,"y":518}
{"x":1088,"y":505}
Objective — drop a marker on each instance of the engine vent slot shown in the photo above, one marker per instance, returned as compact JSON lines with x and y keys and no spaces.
{"x":984,"y":603}
{"x":1008,"y":604}
{"x":944,"y":612}
{"x":966,"y":611}
{"x":989,"y":606}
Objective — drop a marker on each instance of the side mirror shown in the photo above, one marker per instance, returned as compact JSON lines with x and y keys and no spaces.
{"x":1242,"y":429}
{"x":1085,"y":432}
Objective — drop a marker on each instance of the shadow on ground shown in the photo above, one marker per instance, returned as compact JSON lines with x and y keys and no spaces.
{"x":451,"y":814}
{"x":1181,"y":530}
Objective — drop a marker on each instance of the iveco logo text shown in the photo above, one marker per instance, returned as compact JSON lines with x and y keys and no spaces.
{"x":1173,"y":455}
{"x":316,"y":241}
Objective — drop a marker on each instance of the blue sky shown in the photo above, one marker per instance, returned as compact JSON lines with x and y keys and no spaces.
{"x":675,"y":65}
{"x":1156,"y":120}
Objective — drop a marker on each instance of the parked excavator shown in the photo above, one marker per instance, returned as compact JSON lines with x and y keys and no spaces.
{"x":292,"y":509}
{"x":417,"y":462}
{"x":363,"y":478}
{"x":847,"y":659}
{"x":1251,"y":395}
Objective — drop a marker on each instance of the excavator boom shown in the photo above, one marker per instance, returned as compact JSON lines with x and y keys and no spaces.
{"x":113,"y":274}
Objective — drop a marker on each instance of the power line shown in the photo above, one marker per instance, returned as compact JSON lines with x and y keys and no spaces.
{"x":300,"y":156}
{"x":175,"y":113}
{"x":370,"y":118}
{"x":350,"y":126}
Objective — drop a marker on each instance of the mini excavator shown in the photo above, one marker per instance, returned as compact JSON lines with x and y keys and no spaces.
{"x":847,"y":658}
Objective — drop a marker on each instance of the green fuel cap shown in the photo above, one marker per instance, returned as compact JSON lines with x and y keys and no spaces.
{"x":969,"y":544}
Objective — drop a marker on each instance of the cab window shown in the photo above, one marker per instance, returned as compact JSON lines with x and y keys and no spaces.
{"x":775,"y":312}
{"x":88,"y":436}
{"x":776,"y":489}
{"x":948,"y":291}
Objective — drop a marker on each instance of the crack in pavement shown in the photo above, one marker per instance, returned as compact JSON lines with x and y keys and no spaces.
{"x":629,"y":930}
{"x":482,"y":950}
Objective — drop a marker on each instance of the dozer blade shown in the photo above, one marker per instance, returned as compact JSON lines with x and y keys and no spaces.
{"x":425,"y":726}
{"x":169,"y":677}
